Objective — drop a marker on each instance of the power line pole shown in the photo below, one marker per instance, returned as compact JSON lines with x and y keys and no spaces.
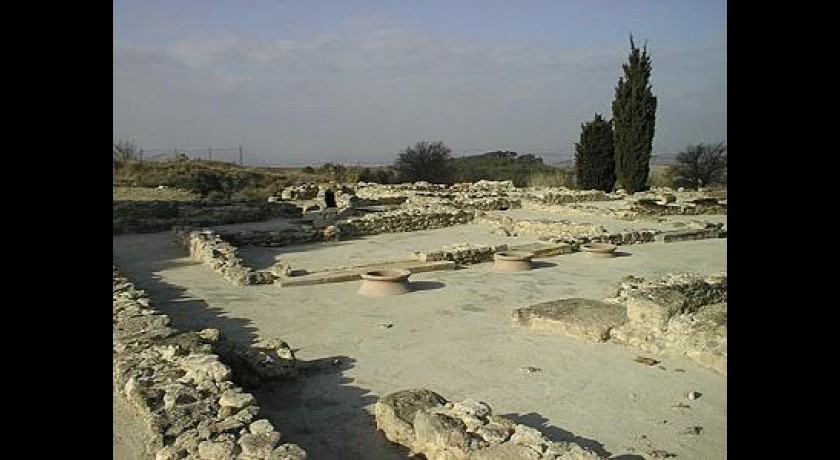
{"x":209,"y":153}
{"x":240,"y":157}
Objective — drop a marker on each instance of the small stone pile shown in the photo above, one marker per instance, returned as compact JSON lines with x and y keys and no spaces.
{"x":182,"y":391}
{"x":429,"y":425}
{"x":462,"y":253}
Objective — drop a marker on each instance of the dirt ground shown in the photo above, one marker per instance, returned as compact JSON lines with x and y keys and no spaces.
{"x":452,"y":334}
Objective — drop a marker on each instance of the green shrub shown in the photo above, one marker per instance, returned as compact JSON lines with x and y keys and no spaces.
{"x":556,"y":178}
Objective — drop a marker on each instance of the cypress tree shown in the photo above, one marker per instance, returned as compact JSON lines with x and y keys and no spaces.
{"x":595,"y":156}
{"x":634,"y":119}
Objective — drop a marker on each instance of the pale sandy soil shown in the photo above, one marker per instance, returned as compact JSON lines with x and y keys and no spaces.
{"x":452,"y":334}
{"x":128,"y":442}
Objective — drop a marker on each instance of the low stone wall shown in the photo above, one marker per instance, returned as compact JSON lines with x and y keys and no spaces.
{"x":157,"y":216}
{"x":209,"y":248}
{"x":462,"y":254}
{"x":381,"y":201}
{"x":679,"y":314}
{"x":515,"y":227}
{"x":691,"y":234}
{"x":182,"y":391}
{"x":403,"y":220}
{"x":437,"y":429}
{"x":466,"y":201}
{"x":698,"y":206}
{"x":272,"y":238}
{"x":561,"y":195}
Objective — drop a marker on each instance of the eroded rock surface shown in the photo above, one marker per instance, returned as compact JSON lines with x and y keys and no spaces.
{"x":430,"y":425}
{"x":576,"y":317}
{"x":679,"y":314}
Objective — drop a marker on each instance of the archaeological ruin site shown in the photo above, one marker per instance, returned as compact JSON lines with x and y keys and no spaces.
{"x":446,"y":322}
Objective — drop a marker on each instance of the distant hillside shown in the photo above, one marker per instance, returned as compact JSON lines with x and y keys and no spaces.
{"x":207,"y":178}
{"x":666,"y":159}
{"x":499,"y":165}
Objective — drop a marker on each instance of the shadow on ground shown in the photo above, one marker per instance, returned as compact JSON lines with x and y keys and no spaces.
{"x":537,"y":264}
{"x":553,"y":433}
{"x":325,"y":415}
{"x":264,"y":257}
{"x":425,"y":285}
{"x":190,"y":313}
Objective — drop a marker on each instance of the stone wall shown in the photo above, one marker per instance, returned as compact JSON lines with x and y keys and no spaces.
{"x":403,"y":220}
{"x":462,"y":254}
{"x":516,"y":227}
{"x":431,"y":426}
{"x":562,"y":195}
{"x":190,"y":406}
{"x":697,"y":206}
{"x":681,"y":314}
{"x":465,"y":201}
{"x":209,"y":248}
{"x":157,"y":216}
{"x":273,"y":238}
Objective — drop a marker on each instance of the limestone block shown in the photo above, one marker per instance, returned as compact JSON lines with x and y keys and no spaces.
{"x":236,"y":399}
{"x":439,"y":434}
{"x":259,"y":445}
{"x":395,"y":412}
{"x":576,"y":317}
{"x":260,"y":426}
{"x":287,"y":452}
{"x":647,"y":312}
{"x":204,"y":366}
{"x":211,"y":450}
{"x":441,"y":430}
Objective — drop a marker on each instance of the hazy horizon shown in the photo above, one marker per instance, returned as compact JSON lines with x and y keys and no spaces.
{"x":297,"y":83}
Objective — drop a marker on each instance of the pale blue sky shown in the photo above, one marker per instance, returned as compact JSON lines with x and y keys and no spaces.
{"x":304,"y":82}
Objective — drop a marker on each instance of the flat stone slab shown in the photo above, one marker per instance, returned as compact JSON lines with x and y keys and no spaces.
{"x":355,"y":273}
{"x":580,"y":318}
{"x":544,"y":249}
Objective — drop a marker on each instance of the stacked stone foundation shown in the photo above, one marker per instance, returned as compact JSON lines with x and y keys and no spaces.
{"x":183,"y":392}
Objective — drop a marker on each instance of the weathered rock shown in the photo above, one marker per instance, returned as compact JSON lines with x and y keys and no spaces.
{"x":287,"y":452}
{"x":259,"y":445}
{"x":201,"y":367}
{"x":235,"y":399}
{"x":168,"y":453}
{"x":432,"y":427}
{"x":438,"y":434}
{"x":395,"y":412}
{"x":678,"y":314}
{"x":213,"y":450}
{"x":576,"y":317}
{"x":260,"y":426}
